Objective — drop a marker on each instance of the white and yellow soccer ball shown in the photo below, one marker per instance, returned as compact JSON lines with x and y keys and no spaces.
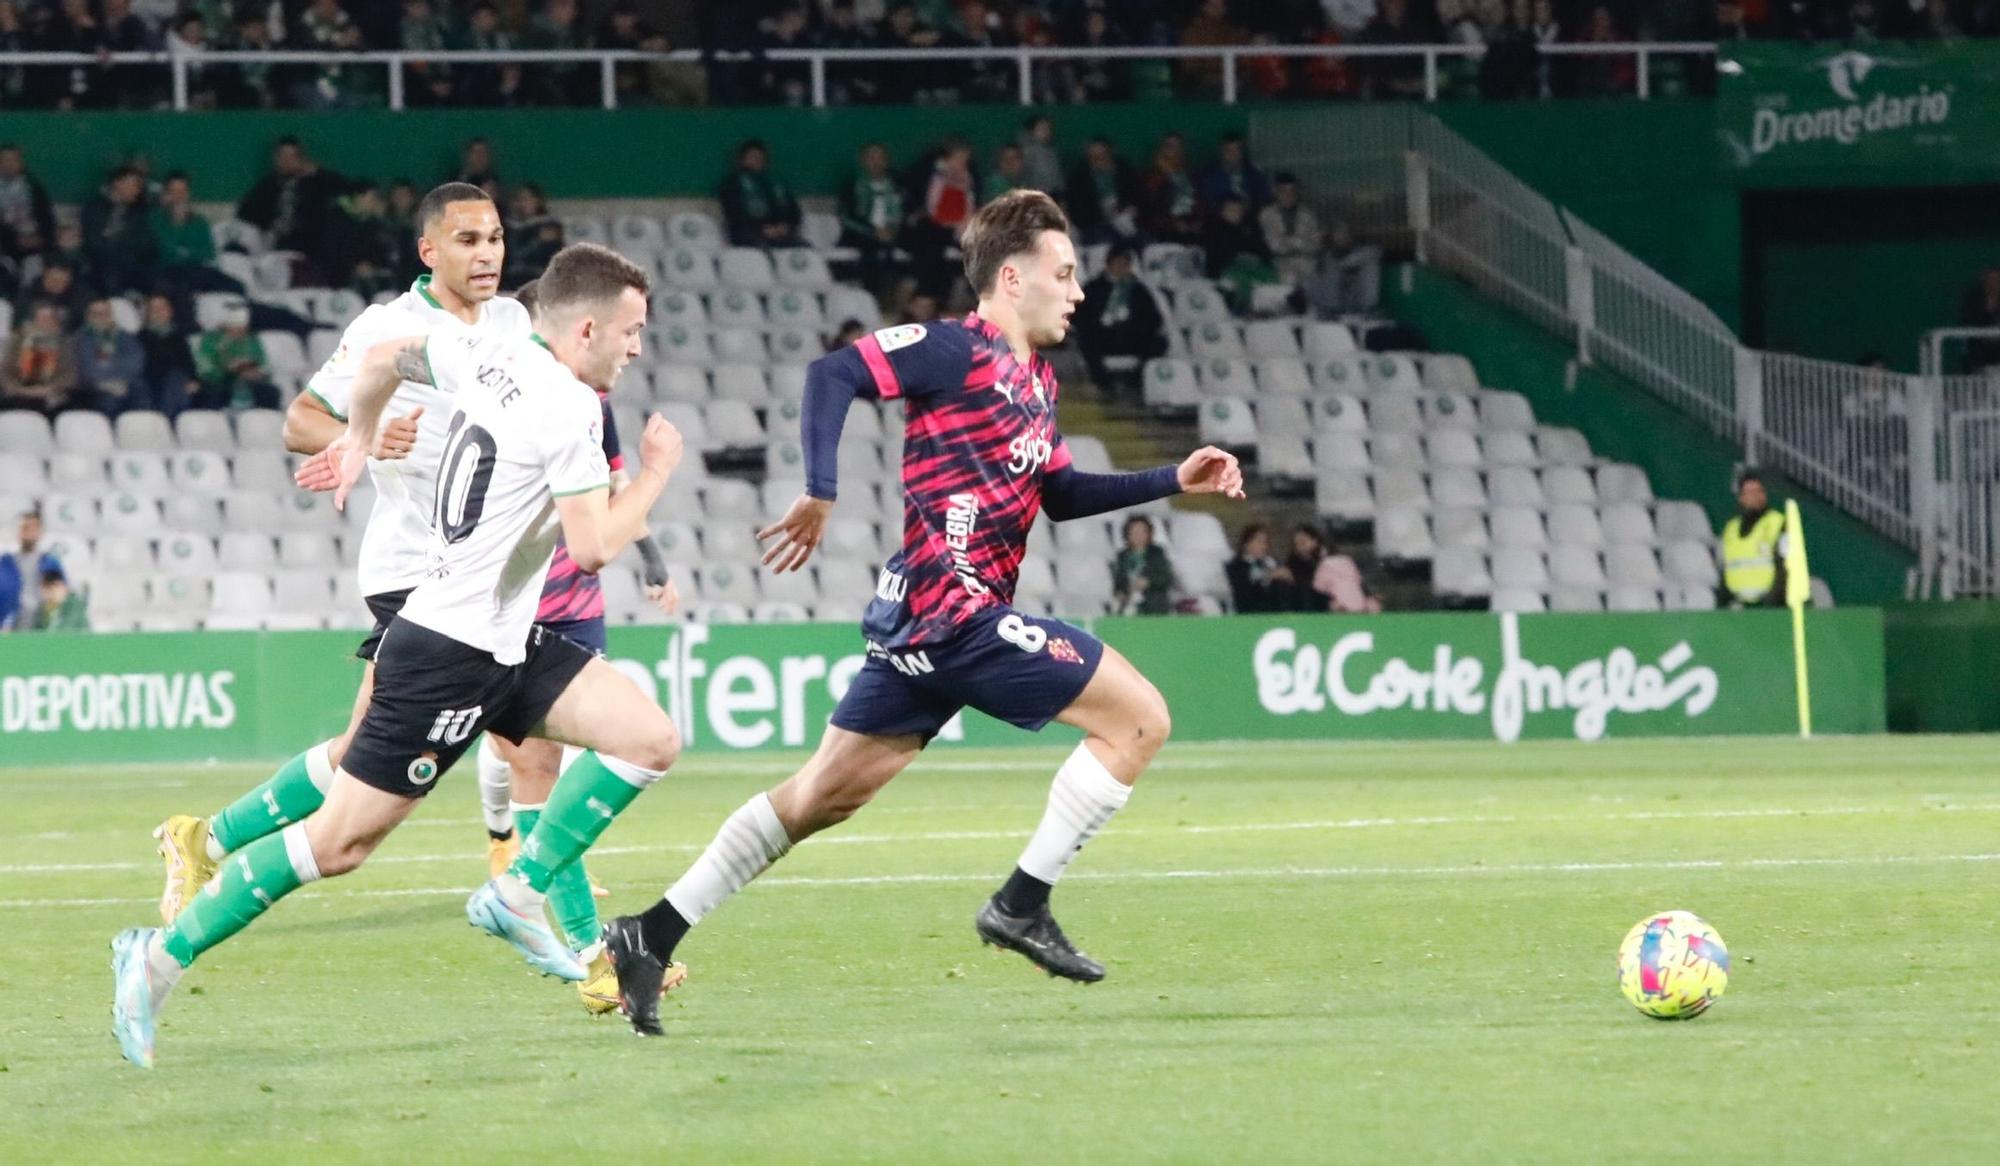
{"x":1672,"y":966}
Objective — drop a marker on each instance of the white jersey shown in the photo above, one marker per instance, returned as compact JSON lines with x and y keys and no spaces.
{"x":523,"y":432}
{"x":398,"y":533}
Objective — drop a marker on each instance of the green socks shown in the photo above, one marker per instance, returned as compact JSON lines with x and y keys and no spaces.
{"x":570,"y":900}
{"x":244,"y":887}
{"x":289,"y":795}
{"x":592,"y":792}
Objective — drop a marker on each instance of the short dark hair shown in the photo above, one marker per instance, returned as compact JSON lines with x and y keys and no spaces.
{"x":431,"y":209}
{"x":1749,"y":474}
{"x":54,"y":575}
{"x":587,"y":273}
{"x":752,"y":144}
{"x":528,"y":295}
{"x":1008,"y":226}
{"x":287,"y":140}
{"x":178,"y":176}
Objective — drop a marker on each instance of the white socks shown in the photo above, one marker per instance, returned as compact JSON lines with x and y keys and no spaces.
{"x":746,"y":846}
{"x":1081,"y":801}
{"x":162,"y":971}
{"x":495,"y":781}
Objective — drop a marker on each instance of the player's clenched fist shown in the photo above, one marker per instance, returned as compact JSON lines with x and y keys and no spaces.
{"x":660,"y":447}
{"x":1209,"y":470}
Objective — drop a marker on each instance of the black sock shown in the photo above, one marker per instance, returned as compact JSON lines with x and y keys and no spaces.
{"x":500,"y":835}
{"x":662,"y":928}
{"x":1024,"y":894}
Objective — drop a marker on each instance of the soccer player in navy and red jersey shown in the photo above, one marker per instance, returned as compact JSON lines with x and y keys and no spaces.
{"x":981,"y":456}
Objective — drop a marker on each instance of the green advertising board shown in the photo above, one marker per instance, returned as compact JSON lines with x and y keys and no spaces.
{"x":238,"y":696}
{"x":1891,"y":114}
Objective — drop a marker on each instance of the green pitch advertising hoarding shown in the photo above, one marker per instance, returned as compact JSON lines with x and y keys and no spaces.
{"x":232,"y":696}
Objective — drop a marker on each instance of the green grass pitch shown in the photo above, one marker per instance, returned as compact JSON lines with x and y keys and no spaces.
{"x":1397,"y":954}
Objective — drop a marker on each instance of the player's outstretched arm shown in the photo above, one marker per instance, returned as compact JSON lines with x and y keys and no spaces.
{"x":832,"y":383}
{"x":597,"y":527}
{"x":387,"y":365}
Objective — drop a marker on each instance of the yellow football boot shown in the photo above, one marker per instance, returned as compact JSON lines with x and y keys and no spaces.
{"x":183,"y":848}
{"x":599,"y":988}
{"x":500,"y":854}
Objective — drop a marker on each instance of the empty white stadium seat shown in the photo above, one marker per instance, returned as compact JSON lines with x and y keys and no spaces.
{"x":1227,"y":421}
{"x":1340,"y":412}
{"x":1627,"y":565}
{"x":82,"y":432}
{"x":1574,"y":565}
{"x":1448,"y":372}
{"x":1401,"y":486}
{"x":1457,"y":486}
{"x":1391,"y":372}
{"x":117,"y":554}
{"x":1515,"y":486}
{"x":795,"y":346}
{"x":261,"y":429}
{"x":1517,"y":526}
{"x":1268,"y":339}
{"x":1197,"y":302}
{"x":1517,"y":566}
{"x":1283,"y":376}
{"x":1683,"y":522}
{"x":733,"y":424}
{"x":1563,"y":447}
{"x":788,"y":381}
{"x":1689,"y":563}
{"x":1343,"y":494}
{"x":1453,"y":447}
{"x":794,"y":308}
{"x":240,"y":550}
{"x":741,"y":382}
{"x":745,"y":267}
{"x":1396,"y":449}
{"x":199,"y":472}
{"x":84,"y":474}
{"x":695,"y":230}
{"x":1691,"y":598}
{"x":1460,"y":573}
{"x":728,"y":583}
{"x":1518,"y":600}
{"x":1403,"y":534}
{"x":1395,"y":414}
{"x":692,"y":270}
{"x":1569,"y":486}
{"x":1322,"y":340}
{"x":800,"y":268}
{"x":1169,"y":382}
{"x":1341,"y":374}
{"x":1451,"y":411}
{"x":1499,"y":409}
{"x":1575,"y":525}
{"x":180,"y":595}
{"x":1571,"y":598}
{"x":1632,"y":598}
{"x":1508,"y":448}
{"x":1619,"y":482}
{"x":852,"y":303}
{"x":1463,"y":527}
{"x":206,"y":429}
{"x":1216,"y":338}
{"x":734,"y":307}
{"x":637,"y":232}
{"x":731,"y":500}
{"x":1226,"y":377}
{"x":1628,"y":522}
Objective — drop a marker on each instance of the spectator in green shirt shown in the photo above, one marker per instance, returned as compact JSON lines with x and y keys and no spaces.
{"x":872,"y":215}
{"x":759,"y":206}
{"x":232,"y":367}
{"x":1141,"y":576}
{"x":61,"y":609}
{"x":1009,"y":173}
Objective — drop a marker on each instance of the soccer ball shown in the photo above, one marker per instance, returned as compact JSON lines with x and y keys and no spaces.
{"x":1672,"y":966}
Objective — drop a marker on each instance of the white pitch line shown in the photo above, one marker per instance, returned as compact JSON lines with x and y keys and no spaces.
{"x":1276,"y":872}
{"x":1224,"y":828}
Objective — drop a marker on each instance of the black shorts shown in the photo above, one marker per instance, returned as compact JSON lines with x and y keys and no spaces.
{"x":434,"y":696}
{"x":585,"y":633}
{"x":1013,"y":667}
{"x":384,"y":608}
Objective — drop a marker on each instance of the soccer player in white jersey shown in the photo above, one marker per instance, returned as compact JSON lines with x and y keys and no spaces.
{"x":522,"y":464}
{"x":461,"y":240}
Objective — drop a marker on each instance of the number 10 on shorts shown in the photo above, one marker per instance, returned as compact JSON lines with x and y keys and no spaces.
{"x":454,"y":725}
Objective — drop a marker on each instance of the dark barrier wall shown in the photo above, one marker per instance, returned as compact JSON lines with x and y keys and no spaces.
{"x":1943,"y":667}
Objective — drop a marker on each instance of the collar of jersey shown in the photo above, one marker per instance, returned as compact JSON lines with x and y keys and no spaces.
{"x":423,"y":288}
{"x":537,"y":338}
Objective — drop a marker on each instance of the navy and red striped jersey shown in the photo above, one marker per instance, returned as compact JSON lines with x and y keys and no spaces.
{"x":980,"y":434}
{"x":571,"y":593}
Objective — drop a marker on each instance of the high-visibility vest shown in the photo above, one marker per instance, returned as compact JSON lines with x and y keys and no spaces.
{"x":1750,"y":558}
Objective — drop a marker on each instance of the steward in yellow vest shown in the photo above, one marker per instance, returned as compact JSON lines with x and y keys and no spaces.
{"x":1753,"y":557}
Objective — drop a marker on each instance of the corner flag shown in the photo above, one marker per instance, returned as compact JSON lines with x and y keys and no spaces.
{"x":1798,"y":589}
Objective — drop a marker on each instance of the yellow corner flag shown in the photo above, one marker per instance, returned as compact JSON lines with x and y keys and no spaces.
{"x":1798,"y":589}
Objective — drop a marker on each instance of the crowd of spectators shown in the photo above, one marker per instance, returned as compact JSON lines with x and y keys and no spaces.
{"x":735,"y":41}
{"x":1314,"y":576}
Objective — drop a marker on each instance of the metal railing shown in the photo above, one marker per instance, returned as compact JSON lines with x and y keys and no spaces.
{"x":1915,"y":457}
{"x":183,"y":63}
